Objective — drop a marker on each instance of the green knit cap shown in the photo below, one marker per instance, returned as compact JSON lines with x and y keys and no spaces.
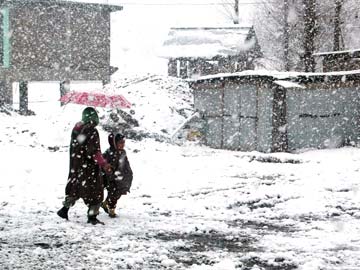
{"x":89,"y":114}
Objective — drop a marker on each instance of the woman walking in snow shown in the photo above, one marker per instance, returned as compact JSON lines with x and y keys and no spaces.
{"x":119,"y":182}
{"x":85,"y":179}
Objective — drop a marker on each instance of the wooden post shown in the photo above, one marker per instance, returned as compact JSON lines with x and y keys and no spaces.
{"x":6,"y":94}
{"x":64,"y":88}
{"x":23,"y":100}
{"x":279,"y":129}
{"x":105,"y":82}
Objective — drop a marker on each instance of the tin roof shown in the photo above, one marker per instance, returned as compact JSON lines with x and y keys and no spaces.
{"x":207,"y":42}
{"x":276,"y":77}
{"x":110,"y":7}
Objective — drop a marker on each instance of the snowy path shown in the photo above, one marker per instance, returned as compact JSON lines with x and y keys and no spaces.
{"x":190,"y":208}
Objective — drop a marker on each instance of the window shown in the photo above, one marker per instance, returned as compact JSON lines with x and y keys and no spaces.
{"x":4,"y":38}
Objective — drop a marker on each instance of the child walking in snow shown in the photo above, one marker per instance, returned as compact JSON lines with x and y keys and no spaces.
{"x":119,"y":182}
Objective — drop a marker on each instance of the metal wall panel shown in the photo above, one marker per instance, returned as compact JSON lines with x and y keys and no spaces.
{"x":322,"y":118}
{"x":240,"y":115}
{"x":264,"y":126}
{"x":248,"y":136}
{"x":208,"y":102}
{"x":213,"y":135}
{"x":232,"y":99}
{"x":231,"y":133}
{"x":248,"y":117}
{"x":351,"y":115}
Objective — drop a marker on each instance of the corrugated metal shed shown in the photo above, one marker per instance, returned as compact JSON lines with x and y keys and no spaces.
{"x":271,"y":112}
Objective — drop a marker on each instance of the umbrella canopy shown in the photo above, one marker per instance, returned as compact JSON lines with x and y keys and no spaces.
{"x":96,"y":99}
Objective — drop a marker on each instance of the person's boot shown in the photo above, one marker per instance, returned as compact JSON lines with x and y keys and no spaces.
{"x":63,"y":213}
{"x":112,"y":213}
{"x":93,"y":220}
{"x":105,"y":207}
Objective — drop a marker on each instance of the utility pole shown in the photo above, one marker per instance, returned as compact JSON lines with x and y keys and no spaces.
{"x":309,"y":34}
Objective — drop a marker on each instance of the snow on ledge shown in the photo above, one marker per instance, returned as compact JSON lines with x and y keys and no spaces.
{"x":289,"y":84}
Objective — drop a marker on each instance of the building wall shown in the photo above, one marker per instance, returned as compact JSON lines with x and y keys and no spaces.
{"x":322,"y":117}
{"x":195,"y":67}
{"x":38,"y":38}
{"x":341,"y":62}
{"x":237,"y":116}
{"x":90,"y":38}
{"x":58,"y":42}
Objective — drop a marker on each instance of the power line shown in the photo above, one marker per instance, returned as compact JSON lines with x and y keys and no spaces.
{"x":188,"y":4}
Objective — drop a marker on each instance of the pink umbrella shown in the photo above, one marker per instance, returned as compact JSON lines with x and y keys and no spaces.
{"x":96,"y":99}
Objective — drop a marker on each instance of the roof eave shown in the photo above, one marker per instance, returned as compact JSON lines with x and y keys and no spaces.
{"x":111,"y":8}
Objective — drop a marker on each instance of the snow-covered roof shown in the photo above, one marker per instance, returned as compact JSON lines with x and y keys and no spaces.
{"x":337,"y":52}
{"x":207,"y":42}
{"x":283,"y":79}
{"x":279,"y":75}
{"x":288,"y":84}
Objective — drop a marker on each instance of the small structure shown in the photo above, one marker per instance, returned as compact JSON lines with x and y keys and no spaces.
{"x":339,"y":60}
{"x":194,"y":52}
{"x":53,"y":40}
{"x":280,"y":111}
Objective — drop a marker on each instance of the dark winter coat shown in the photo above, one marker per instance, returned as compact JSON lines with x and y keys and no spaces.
{"x":85,"y":178}
{"x":118,"y":183}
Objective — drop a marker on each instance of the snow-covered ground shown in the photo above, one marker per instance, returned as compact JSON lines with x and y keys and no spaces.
{"x":190,"y":207}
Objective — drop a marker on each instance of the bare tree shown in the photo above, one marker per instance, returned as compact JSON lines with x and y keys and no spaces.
{"x":286,"y":37}
{"x":291,"y":31}
{"x":309,"y":34}
{"x":230,"y":9}
{"x":337,"y":25}
{"x":278,"y":27}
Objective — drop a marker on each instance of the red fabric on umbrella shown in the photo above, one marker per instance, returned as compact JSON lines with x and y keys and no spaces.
{"x":96,"y":99}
